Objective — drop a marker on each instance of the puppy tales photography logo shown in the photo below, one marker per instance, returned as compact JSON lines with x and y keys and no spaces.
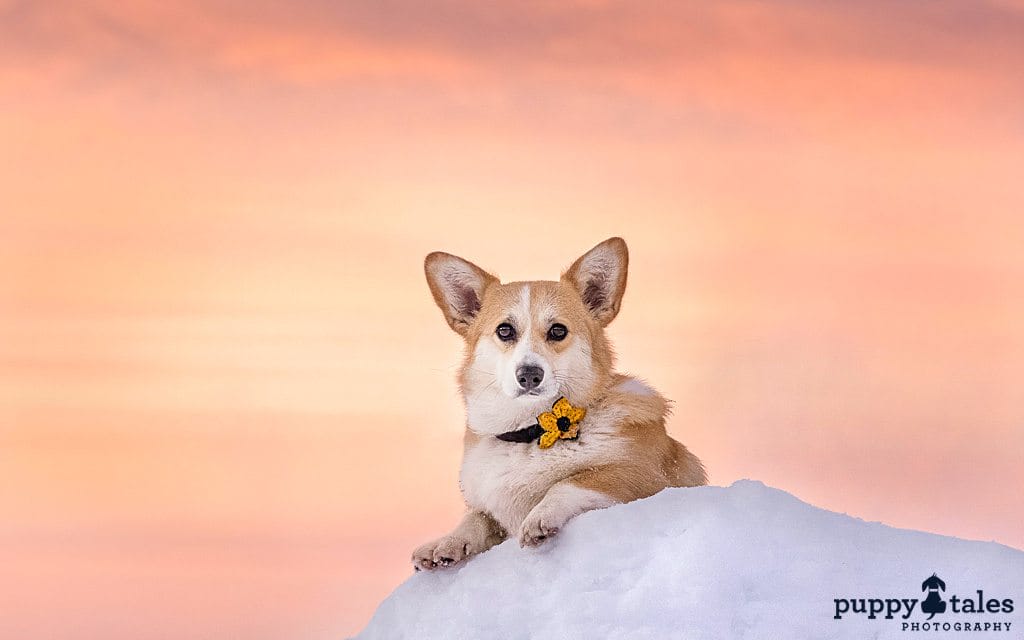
{"x":980,"y":612}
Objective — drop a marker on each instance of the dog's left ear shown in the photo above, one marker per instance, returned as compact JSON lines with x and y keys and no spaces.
{"x":600,"y":277}
{"x":458,"y":287}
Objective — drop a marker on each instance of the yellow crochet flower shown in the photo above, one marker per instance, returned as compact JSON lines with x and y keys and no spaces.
{"x":563,"y":421}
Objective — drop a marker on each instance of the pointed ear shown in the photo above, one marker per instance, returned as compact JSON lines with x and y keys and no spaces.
{"x":600,"y":277}
{"x":458,"y":287}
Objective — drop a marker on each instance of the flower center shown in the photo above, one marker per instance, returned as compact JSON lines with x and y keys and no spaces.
{"x":563,"y":423}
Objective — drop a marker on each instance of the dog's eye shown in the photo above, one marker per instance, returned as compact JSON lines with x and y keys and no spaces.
{"x":557,"y":332}
{"x":505,"y":332}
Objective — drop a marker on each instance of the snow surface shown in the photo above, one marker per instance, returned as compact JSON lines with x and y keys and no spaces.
{"x":745,"y":561}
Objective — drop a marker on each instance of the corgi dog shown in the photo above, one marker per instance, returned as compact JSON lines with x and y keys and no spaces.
{"x":552,"y":430}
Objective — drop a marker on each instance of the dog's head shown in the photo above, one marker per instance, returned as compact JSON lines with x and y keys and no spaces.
{"x":529,"y":343}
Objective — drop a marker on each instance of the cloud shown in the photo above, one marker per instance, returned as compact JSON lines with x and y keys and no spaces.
{"x":679,"y":48}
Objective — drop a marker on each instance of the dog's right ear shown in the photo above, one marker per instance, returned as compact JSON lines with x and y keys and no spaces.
{"x":458,"y":287}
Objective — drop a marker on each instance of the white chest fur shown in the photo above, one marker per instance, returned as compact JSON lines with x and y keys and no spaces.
{"x":508,"y":479}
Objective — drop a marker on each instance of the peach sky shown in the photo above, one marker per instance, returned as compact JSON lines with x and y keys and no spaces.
{"x":227,"y":402}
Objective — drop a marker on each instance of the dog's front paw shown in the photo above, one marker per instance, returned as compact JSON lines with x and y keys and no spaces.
{"x":443,"y":552}
{"x":540,"y":526}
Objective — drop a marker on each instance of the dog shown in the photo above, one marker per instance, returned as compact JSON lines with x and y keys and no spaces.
{"x":552,"y":430}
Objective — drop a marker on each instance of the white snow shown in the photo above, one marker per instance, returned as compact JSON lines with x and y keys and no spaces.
{"x":746,"y":561}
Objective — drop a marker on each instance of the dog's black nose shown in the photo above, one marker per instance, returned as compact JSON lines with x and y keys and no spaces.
{"x":529,"y":377}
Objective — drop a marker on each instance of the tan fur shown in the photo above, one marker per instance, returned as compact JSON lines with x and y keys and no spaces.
{"x":651,"y":459}
{"x":623,"y":452}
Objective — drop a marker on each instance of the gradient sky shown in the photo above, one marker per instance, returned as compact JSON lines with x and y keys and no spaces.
{"x":227,"y":402}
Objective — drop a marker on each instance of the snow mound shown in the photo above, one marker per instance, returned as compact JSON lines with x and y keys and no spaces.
{"x":746,"y":561}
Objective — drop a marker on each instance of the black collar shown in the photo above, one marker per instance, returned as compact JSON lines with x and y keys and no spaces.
{"x":526,"y":434}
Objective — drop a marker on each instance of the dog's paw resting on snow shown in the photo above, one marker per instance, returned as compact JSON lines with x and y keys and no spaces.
{"x":539,"y":528}
{"x":477,"y":533}
{"x":446,"y":551}
{"x":564,"y":501}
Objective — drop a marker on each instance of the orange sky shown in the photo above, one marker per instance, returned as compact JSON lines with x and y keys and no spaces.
{"x":227,"y":402}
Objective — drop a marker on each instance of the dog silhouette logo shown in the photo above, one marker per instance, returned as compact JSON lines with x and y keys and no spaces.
{"x":933,"y":603}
